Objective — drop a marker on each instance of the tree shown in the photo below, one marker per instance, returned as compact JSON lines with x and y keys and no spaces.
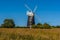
{"x":39,"y":25}
{"x":8,"y":23}
{"x":46,"y":26}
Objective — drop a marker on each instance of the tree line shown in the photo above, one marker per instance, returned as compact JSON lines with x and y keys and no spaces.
{"x":9,"y":23}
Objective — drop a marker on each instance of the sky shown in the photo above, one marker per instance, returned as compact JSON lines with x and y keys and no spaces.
{"x":48,"y":11}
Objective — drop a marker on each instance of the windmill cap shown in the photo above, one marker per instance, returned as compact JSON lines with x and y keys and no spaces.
{"x":30,"y":13}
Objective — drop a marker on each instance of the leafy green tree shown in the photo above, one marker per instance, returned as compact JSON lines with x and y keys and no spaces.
{"x":46,"y":26}
{"x":39,"y":25}
{"x":8,"y":23}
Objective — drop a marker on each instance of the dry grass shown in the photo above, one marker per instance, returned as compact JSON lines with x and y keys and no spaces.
{"x":32,"y":34}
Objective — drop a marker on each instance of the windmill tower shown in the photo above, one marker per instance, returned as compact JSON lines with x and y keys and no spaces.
{"x":31,"y":16}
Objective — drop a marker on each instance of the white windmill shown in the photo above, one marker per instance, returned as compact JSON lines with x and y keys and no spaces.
{"x":31,"y":16}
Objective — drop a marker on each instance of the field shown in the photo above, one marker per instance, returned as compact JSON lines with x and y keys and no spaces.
{"x":29,"y":34}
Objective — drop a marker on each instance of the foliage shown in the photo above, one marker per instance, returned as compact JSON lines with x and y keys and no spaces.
{"x":33,"y":26}
{"x":39,"y":25}
{"x":46,"y":26}
{"x":57,"y":26}
{"x":42,"y":26}
{"x":8,"y":23}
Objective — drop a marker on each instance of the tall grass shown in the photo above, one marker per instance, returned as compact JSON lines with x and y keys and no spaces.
{"x":12,"y":36}
{"x":29,"y":34}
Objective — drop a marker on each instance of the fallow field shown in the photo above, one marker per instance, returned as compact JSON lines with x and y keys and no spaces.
{"x":29,"y":34}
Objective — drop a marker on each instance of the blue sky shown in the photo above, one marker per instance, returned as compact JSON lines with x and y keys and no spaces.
{"x":48,"y":11}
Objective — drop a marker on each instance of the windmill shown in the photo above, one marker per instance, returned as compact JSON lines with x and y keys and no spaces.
{"x":31,"y":15}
